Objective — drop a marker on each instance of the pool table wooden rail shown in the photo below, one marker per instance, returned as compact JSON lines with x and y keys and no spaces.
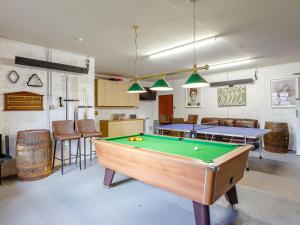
{"x":188,"y":177}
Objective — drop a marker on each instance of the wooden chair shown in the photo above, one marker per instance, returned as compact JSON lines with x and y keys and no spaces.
{"x":192,"y":119}
{"x":164,"y":119}
{"x":86,"y":130}
{"x":210,"y":121}
{"x":177,"y":120}
{"x":63,"y":130}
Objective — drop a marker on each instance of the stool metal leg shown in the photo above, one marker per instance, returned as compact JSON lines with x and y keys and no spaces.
{"x":62,"y":157}
{"x":91,"y":149}
{"x":77,"y":152}
{"x":54,"y":154}
{"x":70,"y":142}
{"x":79,"y":148}
{"x":84,"y":152}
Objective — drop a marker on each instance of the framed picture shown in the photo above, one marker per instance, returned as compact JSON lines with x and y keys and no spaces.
{"x":232,"y":96}
{"x":283,"y":92}
{"x":193,"y":98}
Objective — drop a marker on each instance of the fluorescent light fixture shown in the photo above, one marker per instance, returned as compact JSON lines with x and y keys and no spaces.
{"x":182,"y":48}
{"x":230,"y":64}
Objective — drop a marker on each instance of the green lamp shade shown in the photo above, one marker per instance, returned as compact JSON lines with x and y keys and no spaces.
{"x":195,"y":81}
{"x":136,"y":88}
{"x":161,"y":85}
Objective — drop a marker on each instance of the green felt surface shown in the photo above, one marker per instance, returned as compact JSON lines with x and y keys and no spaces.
{"x":207,"y":151}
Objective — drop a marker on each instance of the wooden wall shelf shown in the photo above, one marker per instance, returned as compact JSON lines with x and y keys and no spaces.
{"x":23,"y":101}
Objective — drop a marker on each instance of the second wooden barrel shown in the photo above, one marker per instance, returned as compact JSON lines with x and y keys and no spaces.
{"x":33,"y":154}
{"x":277,"y":140}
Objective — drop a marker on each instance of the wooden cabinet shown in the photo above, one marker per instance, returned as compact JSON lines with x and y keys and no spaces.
{"x":114,"y":94}
{"x":115,"y":128}
{"x":99,"y":93}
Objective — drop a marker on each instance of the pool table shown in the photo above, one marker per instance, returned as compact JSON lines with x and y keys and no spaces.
{"x":199,"y":170}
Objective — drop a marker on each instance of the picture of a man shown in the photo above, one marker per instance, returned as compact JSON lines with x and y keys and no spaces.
{"x":193,"y":97}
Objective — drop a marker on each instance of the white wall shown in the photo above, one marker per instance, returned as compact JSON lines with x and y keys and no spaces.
{"x":258,"y":98}
{"x":258,"y":94}
{"x":13,"y":121}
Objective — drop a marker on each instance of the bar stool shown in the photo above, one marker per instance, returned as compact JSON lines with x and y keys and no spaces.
{"x":87,"y":130}
{"x":63,"y":130}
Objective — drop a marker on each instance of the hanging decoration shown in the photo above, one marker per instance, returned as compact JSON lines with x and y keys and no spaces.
{"x":34,"y":81}
{"x":13,"y":76}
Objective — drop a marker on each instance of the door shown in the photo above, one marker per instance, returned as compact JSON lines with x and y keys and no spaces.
{"x":166,"y":106}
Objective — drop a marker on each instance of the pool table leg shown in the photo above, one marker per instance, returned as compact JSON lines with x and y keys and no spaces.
{"x":201,"y":212}
{"x":108,"y":177}
{"x":231,"y":196}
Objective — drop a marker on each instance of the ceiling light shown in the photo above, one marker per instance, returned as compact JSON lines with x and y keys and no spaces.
{"x":195,"y":80}
{"x":182,"y":48}
{"x":161,"y":85}
{"x":231,"y":63}
{"x":136,"y":88}
{"x":79,"y":39}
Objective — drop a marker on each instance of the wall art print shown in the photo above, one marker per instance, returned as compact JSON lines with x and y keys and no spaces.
{"x":232,"y":96}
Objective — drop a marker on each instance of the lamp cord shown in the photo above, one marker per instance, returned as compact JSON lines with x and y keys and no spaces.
{"x":135,"y":27}
{"x":194,"y":1}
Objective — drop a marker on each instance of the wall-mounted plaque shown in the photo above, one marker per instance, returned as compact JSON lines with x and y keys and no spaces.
{"x":23,"y":101}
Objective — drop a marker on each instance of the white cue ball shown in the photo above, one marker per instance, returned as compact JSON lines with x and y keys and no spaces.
{"x":196,"y":148}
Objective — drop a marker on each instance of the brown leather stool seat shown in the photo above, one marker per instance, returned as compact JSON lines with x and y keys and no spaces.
{"x":91,"y":134}
{"x":87,"y":130}
{"x":63,"y":130}
{"x":65,"y":137}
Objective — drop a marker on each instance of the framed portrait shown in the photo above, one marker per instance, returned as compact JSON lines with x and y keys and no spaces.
{"x":284,"y":92}
{"x":193,"y":98}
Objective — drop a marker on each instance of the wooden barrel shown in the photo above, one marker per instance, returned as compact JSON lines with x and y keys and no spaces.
{"x":277,"y":140}
{"x":33,"y":154}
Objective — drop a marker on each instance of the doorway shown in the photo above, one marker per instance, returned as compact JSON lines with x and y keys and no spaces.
{"x":165,"y":107}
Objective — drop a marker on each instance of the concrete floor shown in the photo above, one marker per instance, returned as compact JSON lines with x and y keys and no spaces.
{"x":269,"y":194}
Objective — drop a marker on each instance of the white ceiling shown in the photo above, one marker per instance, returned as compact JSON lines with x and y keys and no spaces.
{"x":267,"y":30}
